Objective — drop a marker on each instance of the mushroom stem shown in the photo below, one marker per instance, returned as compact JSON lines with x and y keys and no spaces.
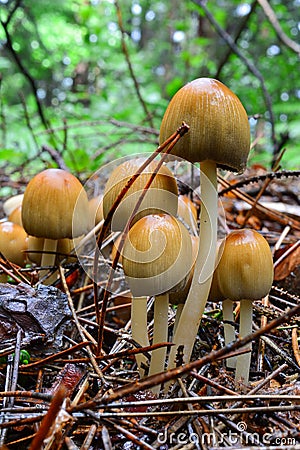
{"x":160,"y":334}
{"x":139,"y":328}
{"x":48,"y":259}
{"x":179,"y":309}
{"x":204,"y":267}
{"x":243,"y":361}
{"x":229,"y":332}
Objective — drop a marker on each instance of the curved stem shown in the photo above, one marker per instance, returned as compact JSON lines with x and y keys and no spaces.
{"x":243,"y":361}
{"x":160,"y":334}
{"x":139,"y":328}
{"x":229,"y":332}
{"x":194,"y":306}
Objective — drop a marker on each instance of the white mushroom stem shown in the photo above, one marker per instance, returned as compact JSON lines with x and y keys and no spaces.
{"x":229,"y":332}
{"x":139,"y":328}
{"x":194,"y":306}
{"x":179,"y":309}
{"x":243,"y":361}
{"x":160,"y":334}
{"x":48,"y":259}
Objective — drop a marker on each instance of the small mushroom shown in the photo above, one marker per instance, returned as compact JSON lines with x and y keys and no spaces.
{"x":13,"y":244}
{"x":157,"y":260}
{"x":55,"y":206}
{"x":244,"y":274}
{"x":160,"y":197}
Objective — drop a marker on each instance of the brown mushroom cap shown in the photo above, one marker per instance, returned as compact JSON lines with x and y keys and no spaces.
{"x":48,"y":206}
{"x":245,"y":270}
{"x":13,"y":242}
{"x":219,"y":127}
{"x":16,"y":216}
{"x":157,"y":255}
{"x":161,"y":197}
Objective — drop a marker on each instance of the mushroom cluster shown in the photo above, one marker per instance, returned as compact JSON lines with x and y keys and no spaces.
{"x":44,"y":215}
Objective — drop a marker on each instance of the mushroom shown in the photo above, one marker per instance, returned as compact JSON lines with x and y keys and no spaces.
{"x":162,"y":196}
{"x":16,"y":215}
{"x":10,"y":204}
{"x":156,"y":260}
{"x":48,"y":210}
{"x":219,"y":136}
{"x":13,"y":244}
{"x":244,"y":274}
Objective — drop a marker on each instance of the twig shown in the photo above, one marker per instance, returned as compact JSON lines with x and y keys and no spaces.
{"x":48,"y":419}
{"x":131,"y":71}
{"x":56,"y":156}
{"x":250,"y":66}
{"x":238,"y":34}
{"x":23,"y":69}
{"x":177,"y":372}
{"x":256,"y":179}
{"x":71,"y":305}
{"x":271,"y":16}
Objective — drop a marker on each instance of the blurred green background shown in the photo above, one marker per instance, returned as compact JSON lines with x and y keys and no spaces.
{"x":90,"y":80}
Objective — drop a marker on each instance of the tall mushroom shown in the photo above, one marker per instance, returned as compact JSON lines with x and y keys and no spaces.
{"x":156,"y":260}
{"x":244,"y":274}
{"x":48,"y":209}
{"x":219,"y":136}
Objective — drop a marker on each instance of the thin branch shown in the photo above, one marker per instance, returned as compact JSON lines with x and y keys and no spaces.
{"x":19,"y":63}
{"x":131,"y":71}
{"x":238,"y":34}
{"x":250,"y":66}
{"x":272,"y":18}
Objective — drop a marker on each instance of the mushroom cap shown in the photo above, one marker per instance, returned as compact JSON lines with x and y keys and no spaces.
{"x":13,"y":242}
{"x":156,"y":256}
{"x":245,"y":270}
{"x":16,"y":215}
{"x":10,"y":204}
{"x":219,"y":127}
{"x":48,"y":208}
{"x":161,"y":197}
{"x":187,"y":211}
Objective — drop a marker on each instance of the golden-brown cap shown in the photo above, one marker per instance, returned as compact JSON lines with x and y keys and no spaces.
{"x":219,"y":127}
{"x":245,"y":270}
{"x":13,"y":242}
{"x":157,"y":255}
{"x":162,"y":197}
{"x":49,"y":203}
{"x":16,"y":215}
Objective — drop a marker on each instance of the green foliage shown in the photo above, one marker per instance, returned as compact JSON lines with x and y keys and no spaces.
{"x":73,"y":52}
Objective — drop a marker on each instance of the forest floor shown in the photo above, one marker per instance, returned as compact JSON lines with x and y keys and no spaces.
{"x":69,"y":396}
